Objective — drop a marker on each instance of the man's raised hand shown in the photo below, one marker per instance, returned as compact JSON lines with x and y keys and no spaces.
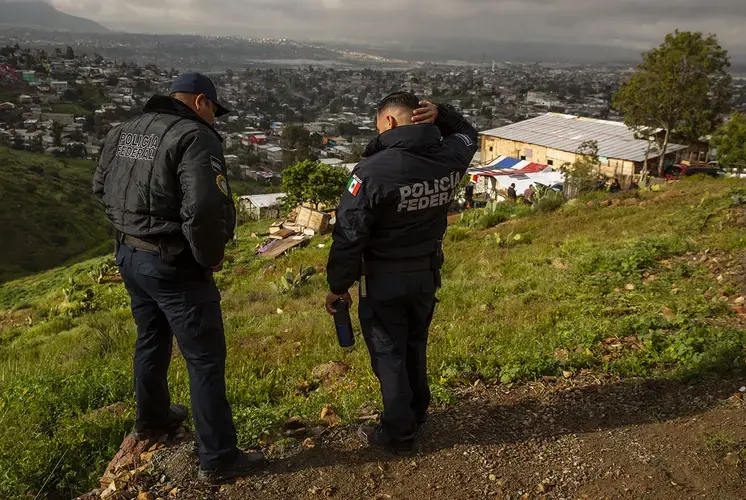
{"x":426,"y":113}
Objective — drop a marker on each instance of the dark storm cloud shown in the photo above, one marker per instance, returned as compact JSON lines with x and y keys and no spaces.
{"x":630,"y":23}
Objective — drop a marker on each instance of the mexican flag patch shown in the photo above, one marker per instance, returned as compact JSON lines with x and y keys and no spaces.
{"x":353,"y":186}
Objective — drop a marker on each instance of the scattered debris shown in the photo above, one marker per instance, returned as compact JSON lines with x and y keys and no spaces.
{"x":329,"y":373}
{"x":277,"y":247}
{"x":668,"y":313}
{"x":302,"y":225}
{"x":128,"y":475}
{"x":561,"y":354}
{"x":308,"y":443}
{"x":313,"y":219}
{"x":329,"y":416}
{"x":294,"y":423}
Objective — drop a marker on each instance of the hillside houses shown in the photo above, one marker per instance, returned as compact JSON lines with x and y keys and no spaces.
{"x":78,"y":100}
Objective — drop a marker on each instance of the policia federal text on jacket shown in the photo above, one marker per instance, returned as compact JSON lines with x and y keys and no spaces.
{"x":162,"y":179}
{"x":390,"y":223}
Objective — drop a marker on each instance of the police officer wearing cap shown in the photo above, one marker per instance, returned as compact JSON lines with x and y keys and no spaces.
{"x":390,"y":224}
{"x":162,"y":179}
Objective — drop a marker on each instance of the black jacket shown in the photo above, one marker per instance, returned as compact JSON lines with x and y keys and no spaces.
{"x":163,"y":175}
{"x":396,"y":204}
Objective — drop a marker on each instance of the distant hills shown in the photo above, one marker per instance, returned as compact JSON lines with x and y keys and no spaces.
{"x":484,"y":51}
{"x":48,"y":214}
{"x":37,"y":14}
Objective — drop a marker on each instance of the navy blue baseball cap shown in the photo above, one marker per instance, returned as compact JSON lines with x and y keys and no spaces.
{"x":197,"y":83}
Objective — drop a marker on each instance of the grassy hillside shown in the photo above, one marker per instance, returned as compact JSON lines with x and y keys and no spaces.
{"x":47,"y":213}
{"x":638,"y":289}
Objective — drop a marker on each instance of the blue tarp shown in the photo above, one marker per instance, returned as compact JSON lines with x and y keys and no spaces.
{"x":507,"y":163}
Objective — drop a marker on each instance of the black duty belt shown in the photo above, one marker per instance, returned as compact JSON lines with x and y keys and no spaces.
{"x":140,"y":244}
{"x":374,"y":267}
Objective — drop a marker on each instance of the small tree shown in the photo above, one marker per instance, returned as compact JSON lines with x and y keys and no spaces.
{"x":18,"y":142}
{"x":313,"y":182}
{"x":730,"y":141}
{"x":76,"y":150}
{"x":653,"y":146}
{"x":348,"y":129}
{"x":295,"y":136}
{"x":356,"y":153}
{"x":682,"y":87}
{"x":583,"y":174}
{"x":57,"y":134}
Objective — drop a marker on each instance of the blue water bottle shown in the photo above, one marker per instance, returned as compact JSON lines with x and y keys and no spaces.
{"x":343,"y":324}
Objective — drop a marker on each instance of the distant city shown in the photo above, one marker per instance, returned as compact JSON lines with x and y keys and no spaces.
{"x":63,"y":99}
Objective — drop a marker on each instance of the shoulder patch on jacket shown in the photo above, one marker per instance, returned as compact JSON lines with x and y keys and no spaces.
{"x":353,"y":185}
{"x":467,"y":140}
{"x":216,"y":164}
{"x":222,"y":183}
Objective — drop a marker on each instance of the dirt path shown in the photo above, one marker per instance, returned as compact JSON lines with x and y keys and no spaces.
{"x":587,"y":438}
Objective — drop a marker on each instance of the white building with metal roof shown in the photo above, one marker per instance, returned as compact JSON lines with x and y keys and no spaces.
{"x":553,"y":139}
{"x":262,"y":206}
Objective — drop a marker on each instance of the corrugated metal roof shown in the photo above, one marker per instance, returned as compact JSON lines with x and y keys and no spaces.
{"x":264,"y":200}
{"x":567,"y":133}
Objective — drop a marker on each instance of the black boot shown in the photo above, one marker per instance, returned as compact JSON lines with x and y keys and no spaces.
{"x":177,"y":414}
{"x":243,"y":465}
{"x":376,"y":436}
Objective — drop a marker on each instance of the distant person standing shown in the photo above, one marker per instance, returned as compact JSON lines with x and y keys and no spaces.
{"x":469,"y":195}
{"x":528,"y":194}
{"x":512,"y":195}
{"x":162,"y":179}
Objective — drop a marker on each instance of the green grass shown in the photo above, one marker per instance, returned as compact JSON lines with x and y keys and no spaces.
{"x":70,"y":108}
{"x":9,"y":95}
{"x":609,"y":289}
{"x":248,"y":187}
{"x":47,"y":213}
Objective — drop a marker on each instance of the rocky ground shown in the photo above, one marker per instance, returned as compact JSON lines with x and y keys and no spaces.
{"x":587,"y":437}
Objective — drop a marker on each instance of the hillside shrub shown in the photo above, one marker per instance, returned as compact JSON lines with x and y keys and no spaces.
{"x":630,"y":259}
{"x":490,"y":219}
{"x":456,"y":234}
{"x":497,"y":213}
{"x":550,"y":202}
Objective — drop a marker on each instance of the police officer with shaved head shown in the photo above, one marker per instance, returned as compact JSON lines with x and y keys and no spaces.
{"x":390,"y":225}
{"x":163,"y":182}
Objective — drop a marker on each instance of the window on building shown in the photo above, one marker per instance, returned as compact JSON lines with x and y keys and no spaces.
{"x":492,"y":148}
{"x":523,"y":158}
{"x":550,"y":162}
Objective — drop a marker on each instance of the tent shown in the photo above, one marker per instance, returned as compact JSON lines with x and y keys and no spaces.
{"x":524,"y":181}
{"x":494,"y":176}
{"x":492,"y":185}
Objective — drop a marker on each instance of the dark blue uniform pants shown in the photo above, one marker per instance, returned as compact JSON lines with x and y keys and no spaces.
{"x":185,"y":303}
{"x":395,"y":318}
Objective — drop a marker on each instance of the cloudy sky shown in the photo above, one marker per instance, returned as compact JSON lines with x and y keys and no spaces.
{"x":636,"y":24}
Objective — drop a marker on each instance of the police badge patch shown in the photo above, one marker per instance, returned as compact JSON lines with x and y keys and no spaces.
{"x":216,"y":165}
{"x":222,"y":183}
